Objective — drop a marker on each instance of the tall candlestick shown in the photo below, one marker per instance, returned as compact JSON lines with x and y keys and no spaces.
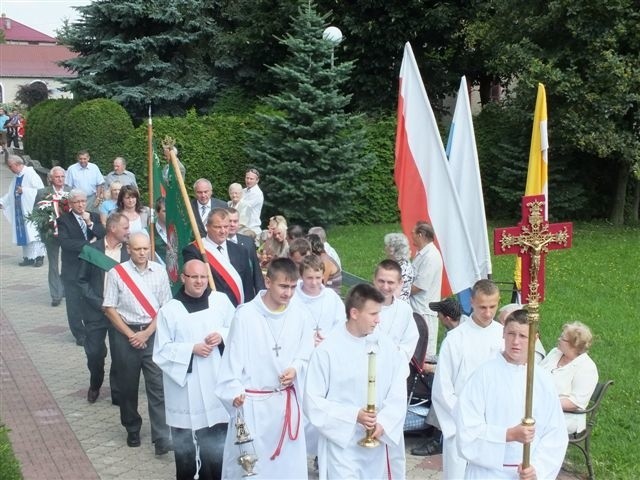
{"x":371,"y":386}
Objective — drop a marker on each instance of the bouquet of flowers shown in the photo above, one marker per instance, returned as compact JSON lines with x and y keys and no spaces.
{"x":45,"y":214}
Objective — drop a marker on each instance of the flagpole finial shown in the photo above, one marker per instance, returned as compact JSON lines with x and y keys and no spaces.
{"x":168,"y":142}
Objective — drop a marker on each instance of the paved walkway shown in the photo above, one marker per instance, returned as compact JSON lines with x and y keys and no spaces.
{"x":55,"y":432}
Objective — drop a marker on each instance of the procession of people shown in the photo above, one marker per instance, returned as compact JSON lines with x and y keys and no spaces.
{"x":255,"y":364}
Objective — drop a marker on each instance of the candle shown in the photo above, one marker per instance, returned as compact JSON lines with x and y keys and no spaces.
{"x":371,"y":390}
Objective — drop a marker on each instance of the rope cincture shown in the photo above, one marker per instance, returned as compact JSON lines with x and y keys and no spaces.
{"x":287,"y":425}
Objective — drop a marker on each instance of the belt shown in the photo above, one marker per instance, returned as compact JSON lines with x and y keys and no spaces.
{"x":287,"y":424}
{"x":138,"y":327}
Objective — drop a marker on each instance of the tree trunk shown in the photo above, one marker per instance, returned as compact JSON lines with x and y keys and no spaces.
{"x":635,"y":210}
{"x":485,"y":89}
{"x":617,"y":207}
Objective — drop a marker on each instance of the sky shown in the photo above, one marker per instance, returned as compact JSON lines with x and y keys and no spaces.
{"x":43,"y":15}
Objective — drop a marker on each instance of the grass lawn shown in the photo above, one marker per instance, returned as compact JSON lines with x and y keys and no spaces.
{"x":596,"y":282}
{"x":9,"y":466}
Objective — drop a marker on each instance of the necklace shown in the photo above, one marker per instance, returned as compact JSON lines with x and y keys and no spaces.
{"x":276,"y":348}
{"x":317,"y":318}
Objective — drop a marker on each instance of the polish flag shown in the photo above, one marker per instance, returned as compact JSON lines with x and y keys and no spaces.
{"x":426,"y":190}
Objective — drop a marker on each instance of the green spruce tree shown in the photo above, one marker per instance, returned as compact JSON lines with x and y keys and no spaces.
{"x":140,"y":52}
{"x":308,"y":148}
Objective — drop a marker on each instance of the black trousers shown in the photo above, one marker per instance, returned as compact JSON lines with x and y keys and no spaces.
{"x":97,"y":328}
{"x":76,"y":308}
{"x":211,"y":442}
{"x":130,"y":362}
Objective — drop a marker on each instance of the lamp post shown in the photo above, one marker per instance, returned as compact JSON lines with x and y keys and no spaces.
{"x":333,"y":35}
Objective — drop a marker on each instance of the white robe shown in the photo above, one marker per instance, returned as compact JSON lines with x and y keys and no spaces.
{"x":336,"y":389}
{"x":463,"y":350}
{"x":250,"y":363}
{"x":492,"y":401}
{"x":31,"y":183}
{"x":327,"y":309}
{"x":396,"y":321}
{"x":189,"y":398}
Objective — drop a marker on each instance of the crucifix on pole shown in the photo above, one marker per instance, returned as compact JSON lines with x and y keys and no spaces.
{"x":531,"y":240}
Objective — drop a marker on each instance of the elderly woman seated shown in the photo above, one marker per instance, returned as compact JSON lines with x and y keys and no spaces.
{"x":396,"y":246}
{"x":574,"y":373}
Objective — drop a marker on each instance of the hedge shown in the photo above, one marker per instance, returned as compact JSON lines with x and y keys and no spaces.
{"x":45,"y":131}
{"x":100,"y":126}
{"x":209,"y":146}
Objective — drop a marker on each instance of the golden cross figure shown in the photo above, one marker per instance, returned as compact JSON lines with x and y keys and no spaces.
{"x":531,"y":240}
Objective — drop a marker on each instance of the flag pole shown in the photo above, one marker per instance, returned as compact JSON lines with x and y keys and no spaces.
{"x":192,"y":219}
{"x":152,"y":217}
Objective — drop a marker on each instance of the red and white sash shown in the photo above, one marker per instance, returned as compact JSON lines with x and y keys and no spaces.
{"x":228,"y":273}
{"x":146,"y":299}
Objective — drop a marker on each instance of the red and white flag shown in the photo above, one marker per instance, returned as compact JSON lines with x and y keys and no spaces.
{"x":426,"y":190}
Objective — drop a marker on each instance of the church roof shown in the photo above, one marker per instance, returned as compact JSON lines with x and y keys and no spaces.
{"x":17,"y":32}
{"x":34,"y":61}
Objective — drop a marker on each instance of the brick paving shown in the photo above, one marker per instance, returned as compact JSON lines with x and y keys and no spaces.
{"x":55,"y":432}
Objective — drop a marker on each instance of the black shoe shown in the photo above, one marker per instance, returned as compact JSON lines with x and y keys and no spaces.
{"x":430,"y":447}
{"x":38,"y":262}
{"x":133,"y":439}
{"x":26,"y":262}
{"x":80,"y":341}
{"x":92,"y":395}
{"x":55,"y":303}
{"x":163,"y":446}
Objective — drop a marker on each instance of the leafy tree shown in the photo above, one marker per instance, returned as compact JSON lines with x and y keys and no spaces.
{"x":588,"y":56}
{"x":140,"y":52}
{"x":375,"y":33}
{"x":309,"y":150}
{"x":247,"y":42}
{"x":32,"y":93}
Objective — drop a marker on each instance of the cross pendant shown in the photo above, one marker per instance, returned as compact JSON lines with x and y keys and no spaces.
{"x":317,"y":330}
{"x":276,"y":348}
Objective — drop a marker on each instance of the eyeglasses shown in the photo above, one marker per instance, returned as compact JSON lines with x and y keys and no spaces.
{"x":254,"y":171}
{"x":196,"y":277}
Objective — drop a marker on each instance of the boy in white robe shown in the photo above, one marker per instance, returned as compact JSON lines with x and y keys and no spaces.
{"x":396,"y":321}
{"x":189,"y":341}
{"x":268,"y":350}
{"x":327,"y":311}
{"x":463,"y":350}
{"x":336,"y":392}
{"x":325,"y":305}
{"x":490,"y":435}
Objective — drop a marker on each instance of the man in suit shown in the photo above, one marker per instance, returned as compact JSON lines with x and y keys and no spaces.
{"x":229,"y":262}
{"x":76,"y":229}
{"x":54,"y":191}
{"x":204,"y":203}
{"x":249,"y":245}
{"x":96,"y":259}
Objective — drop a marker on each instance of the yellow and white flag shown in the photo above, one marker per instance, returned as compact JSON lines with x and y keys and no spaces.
{"x":537,"y":174}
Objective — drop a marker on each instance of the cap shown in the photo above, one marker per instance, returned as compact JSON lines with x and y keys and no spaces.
{"x":448,"y":307}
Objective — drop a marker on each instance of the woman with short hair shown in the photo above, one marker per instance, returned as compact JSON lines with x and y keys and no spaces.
{"x":396,"y":246}
{"x":574,"y":373}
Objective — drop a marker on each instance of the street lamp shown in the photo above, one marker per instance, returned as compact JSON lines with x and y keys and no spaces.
{"x":333,"y":35}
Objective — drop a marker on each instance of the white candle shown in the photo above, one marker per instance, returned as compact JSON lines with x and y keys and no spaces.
{"x":371,"y":390}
